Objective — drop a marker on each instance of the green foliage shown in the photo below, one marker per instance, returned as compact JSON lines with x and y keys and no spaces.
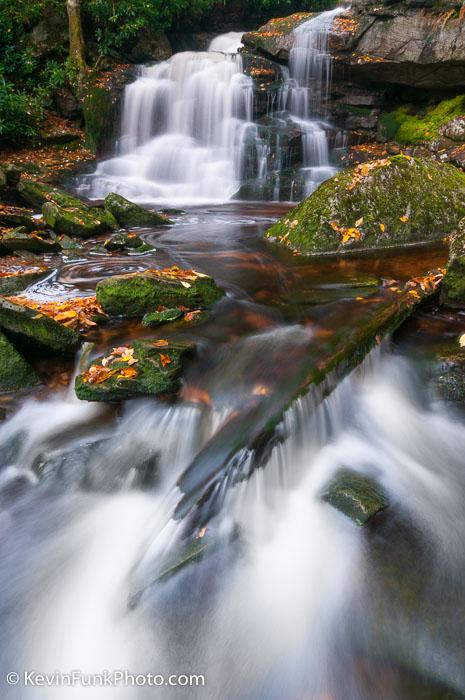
{"x":20,"y":114}
{"x":406,"y":126}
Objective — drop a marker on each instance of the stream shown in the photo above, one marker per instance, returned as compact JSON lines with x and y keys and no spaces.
{"x":289,"y":600}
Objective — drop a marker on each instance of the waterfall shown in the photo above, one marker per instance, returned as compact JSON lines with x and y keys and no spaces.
{"x":184,"y":129}
{"x":187,"y":130}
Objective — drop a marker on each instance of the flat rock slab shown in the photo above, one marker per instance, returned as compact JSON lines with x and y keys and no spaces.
{"x":141,"y":292}
{"x":356,"y":496}
{"x":145,"y":368}
{"x":37,"y":327}
{"x":21,"y":239}
{"x":130,"y":215}
{"x":18,"y":282}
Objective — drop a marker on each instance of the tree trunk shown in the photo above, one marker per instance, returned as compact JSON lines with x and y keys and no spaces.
{"x":77,"y":51}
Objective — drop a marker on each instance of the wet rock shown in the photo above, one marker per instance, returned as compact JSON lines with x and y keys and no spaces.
{"x":138,"y":293}
{"x":38,"y":328}
{"x":17,"y":216}
{"x":127,"y":241}
{"x":448,"y":378}
{"x":454,"y":129}
{"x":453,"y":284}
{"x":81,"y":221}
{"x":130,"y":215}
{"x":31,"y":241}
{"x":150,"y":45}
{"x":38,"y":193}
{"x":15,"y":372}
{"x":389,"y":202}
{"x":275,"y":37}
{"x":154,"y":367}
{"x":10,"y":174}
{"x":357,"y":496}
{"x":157,"y":318}
{"x":14,"y":282}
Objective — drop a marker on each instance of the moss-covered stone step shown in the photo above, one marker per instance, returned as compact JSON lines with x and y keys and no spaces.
{"x":130,"y":215}
{"x":15,"y":372}
{"x":32,"y":241}
{"x":356,"y":496}
{"x":145,"y":368}
{"x":81,"y":221}
{"x":12,"y":283}
{"x":384,"y":203}
{"x":37,"y":327}
{"x":157,"y":318}
{"x":138,"y":293}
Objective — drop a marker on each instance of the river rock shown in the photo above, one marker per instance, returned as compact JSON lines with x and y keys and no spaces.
{"x":138,"y":293}
{"x":38,"y":193}
{"x":127,"y":241}
{"x":17,"y":216}
{"x":453,"y":284}
{"x":31,"y":241}
{"x":80,"y":221}
{"x":355,"y":495}
{"x":454,"y":129}
{"x":15,"y":372}
{"x":18,"y":282}
{"x":157,"y":318}
{"x":130,"y":215}
{"x":146,"y":368}
{"x":384,"y":203}
{"x":275,"y":37}
{"x":38,"y":328}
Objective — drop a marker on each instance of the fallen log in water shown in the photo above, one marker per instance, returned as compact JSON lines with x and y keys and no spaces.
{"x":335,"y":348}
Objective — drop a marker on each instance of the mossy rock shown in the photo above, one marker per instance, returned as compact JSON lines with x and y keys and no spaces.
{"x":14,"y":283}
{"x":38,"y":193}
{"x":157,"y":370}
{"x":275,"y":37}
{"x":391,"y":202}
{"x":357,"y":496}
{"x":22,"y":239}
{"x":15,"y":372}
{"x":38,"y":328}
{"x":17,"y":216}
{"x":157,"y":318}
{"x":130,"y":215}
{"x":10,"y":175}
{"x":407,"y":124}
{"x":453,"y":284}
{"x":138,"y":293}
{"x":100,"y":110}
{"x":127,"y":241}
{"x":81,"y":221}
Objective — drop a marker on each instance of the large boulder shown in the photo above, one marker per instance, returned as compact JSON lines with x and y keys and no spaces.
{"x":38,"y":193}
{"x":37,"y":327}
{"x":383,"y":203}
{"x":15,"y":372}
{"x":137,"y":293}
{"x":453,"y":284}
{"x":130,"y":215}
{"x":81,"y":221}
{"x":275,"y":37}
{"x":146,"y":368}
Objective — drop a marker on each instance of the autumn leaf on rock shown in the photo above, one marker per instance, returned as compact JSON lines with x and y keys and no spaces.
{"x":165,"y":359}
{"x":160,"y":343}
{"x":127,"y":373}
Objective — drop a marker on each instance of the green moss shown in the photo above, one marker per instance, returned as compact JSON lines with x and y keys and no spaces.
{"x":158,"y":370}
{"x":129,"y":215}
{"x":357,"y":496}
{"x":15,"y":372}
{"x":99,"y":118}
{"x":37,"y":327}
{"x":141,"y":292}
{"x":38,"y":193}
{"x":22,"y":239}
{"x":394,"y":202}
{"x":157,"y":318}
{"x":79,"y":221}
{"x":408,"y":126}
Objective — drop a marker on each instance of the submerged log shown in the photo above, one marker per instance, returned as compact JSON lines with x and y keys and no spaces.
{"x":335,"y":349}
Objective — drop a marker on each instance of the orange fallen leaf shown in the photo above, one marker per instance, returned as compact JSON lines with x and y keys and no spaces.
{"x":165,"y":359}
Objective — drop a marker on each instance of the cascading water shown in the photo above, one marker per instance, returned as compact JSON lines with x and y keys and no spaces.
{"x":188,"y":136}
{"x":184,"y":129}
